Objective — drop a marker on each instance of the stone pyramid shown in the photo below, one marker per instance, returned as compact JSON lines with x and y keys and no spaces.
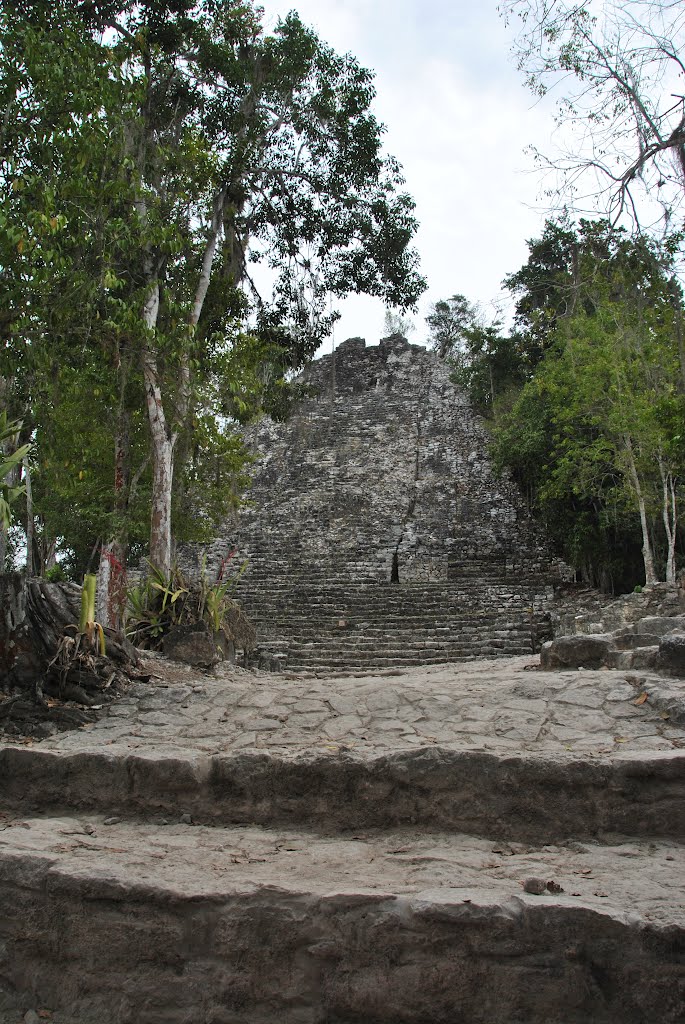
{"x":377,"y":531}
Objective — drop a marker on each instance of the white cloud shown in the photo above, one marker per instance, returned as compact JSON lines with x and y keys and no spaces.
{"x":458,"y":119}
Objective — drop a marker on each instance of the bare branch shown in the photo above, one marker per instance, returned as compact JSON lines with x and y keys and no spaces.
{"x":623,"y":62}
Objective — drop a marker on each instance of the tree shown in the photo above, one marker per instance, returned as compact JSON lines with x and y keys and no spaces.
{"x":491,"y":368}
{"x":395,"y":323}
{"x":486,"y":363}
{"x":595,"y":433}
{"x":569,"y":266}
{"x":622,"y":109}
{"x":189,"y":146}
{"x":449,"y":322}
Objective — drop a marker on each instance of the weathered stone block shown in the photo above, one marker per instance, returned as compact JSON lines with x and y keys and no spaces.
{"x":660,"y":625}
{"x":194,"y":644}
{"x":671,"y":656}
{"x":578,"y":651}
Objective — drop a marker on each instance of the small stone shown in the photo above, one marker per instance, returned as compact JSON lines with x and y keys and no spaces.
{"x":535,"y":886}
{"x":623,"y":692}
{"x":554,"y":887}
{"x":186,"y":819}
{"x":31,"y":1017}
{"x":112,"y":821}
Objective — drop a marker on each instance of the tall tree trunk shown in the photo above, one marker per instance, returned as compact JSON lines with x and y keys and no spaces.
{"x":111,"y":599}
{"x":647,"y":556}
{"x":30,"y":523}
{"x":164,"y":434}
{"x":669,"y":512}
{"x":161,"y":446}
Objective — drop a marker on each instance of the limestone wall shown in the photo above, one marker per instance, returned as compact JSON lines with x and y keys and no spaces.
{"x":382,"y":474}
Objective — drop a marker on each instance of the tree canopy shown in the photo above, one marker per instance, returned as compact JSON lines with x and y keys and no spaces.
{"x":594,"y":378}
{"x":152,"y":155}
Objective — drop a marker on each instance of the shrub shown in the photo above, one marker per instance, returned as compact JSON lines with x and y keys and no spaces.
{"x":162,"y":602}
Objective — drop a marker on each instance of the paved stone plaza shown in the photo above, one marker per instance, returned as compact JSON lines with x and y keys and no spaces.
{"x":497,"y":706}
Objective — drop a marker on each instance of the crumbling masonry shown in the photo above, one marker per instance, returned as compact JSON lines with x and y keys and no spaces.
{"x":377,"y":533}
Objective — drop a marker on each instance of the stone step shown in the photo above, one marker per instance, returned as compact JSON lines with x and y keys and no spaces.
{"x":421,"y":635}
{"x":517,"y":797}
{"x":385,"y":595}
{"x":329,"y":577}
{"x":389,"y":650}
{"x":139,"y":922}
{"x":330,"y":665}
{"x":409,"y":613}
{"x":393,"y":647}
{"x":404,"y":622}
{"x":369,"y":619}
{"x":462,"y":611}
{"x":483,"y":590}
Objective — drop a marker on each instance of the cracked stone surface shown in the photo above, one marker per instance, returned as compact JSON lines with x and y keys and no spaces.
{"x":480,"y":842}
{"x":479,"y":705}
{"x":281,"y":924}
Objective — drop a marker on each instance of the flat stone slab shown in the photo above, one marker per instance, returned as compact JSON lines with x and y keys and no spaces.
{"x":491,"y":748}
{"x":496,"y":706}
{"x":148,"y":923}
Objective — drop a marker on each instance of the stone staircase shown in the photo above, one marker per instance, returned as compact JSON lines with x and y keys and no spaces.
{"x":157,"y":870}
{"x":328,"y":626}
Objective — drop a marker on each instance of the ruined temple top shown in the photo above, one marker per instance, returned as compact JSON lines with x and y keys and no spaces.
{"x":353,"y":368}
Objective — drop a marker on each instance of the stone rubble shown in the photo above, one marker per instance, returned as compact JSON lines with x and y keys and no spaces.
{"x":655,"y":642}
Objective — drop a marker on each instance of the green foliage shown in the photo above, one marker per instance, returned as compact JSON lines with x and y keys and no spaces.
{"x":395,"y":323}
{"x":75,"y":421}
{"x":56,"y":574}
{"x":490,"y":369}
{"x":487,"y":364}
{"x":161,"y":602}
{"x":152,"y":151}
{"x":88,"y":627}
{"x":450,"y":323}
{"x":11,"y":459}
{"x":594,"y":436}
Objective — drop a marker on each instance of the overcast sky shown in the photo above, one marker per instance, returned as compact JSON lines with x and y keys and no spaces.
{"x":458,"y":118}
